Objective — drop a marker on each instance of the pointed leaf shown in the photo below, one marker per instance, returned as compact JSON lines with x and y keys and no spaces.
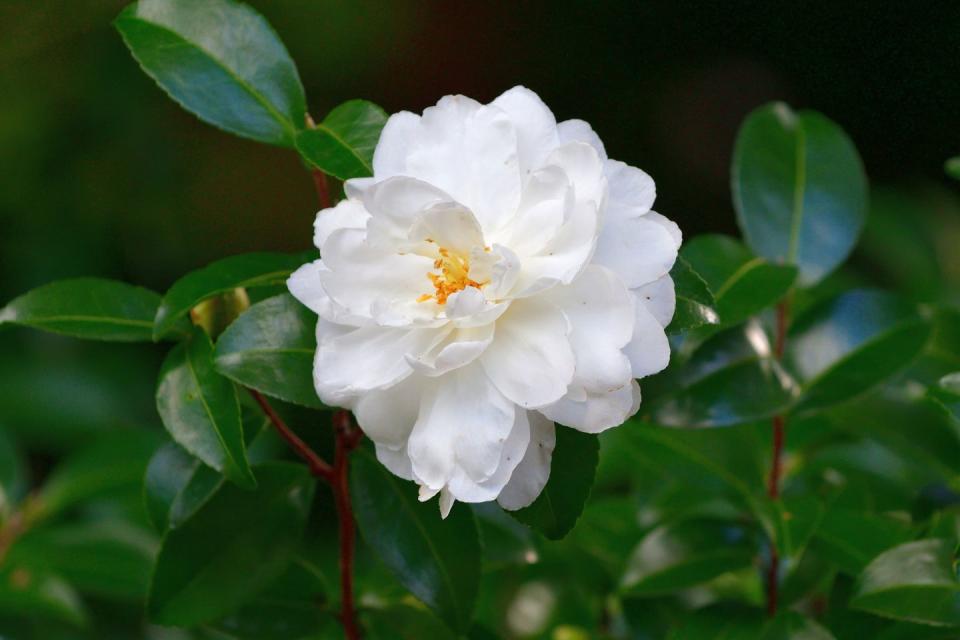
{"x":342,"y":145}
{"x":176,"y":485}
{"x":799,"y":189}
{"x":270,"y":348}
{"x":231,"y":548}
{"x":694,"y":300}
{"x":574,"y":464}
{"x":220,"y":60}
{"x":91,"y":308}
{"x":200,"y":409}
{"x":437,"y":560}
{"x":245,"y":270}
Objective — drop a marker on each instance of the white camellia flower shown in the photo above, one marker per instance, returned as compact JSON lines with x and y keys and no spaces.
{"x":497,"y":274}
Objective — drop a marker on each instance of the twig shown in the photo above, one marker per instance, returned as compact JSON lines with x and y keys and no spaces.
{"x":347,"y":439}
{"x":318,"y":466}
{"x":776,"y":461}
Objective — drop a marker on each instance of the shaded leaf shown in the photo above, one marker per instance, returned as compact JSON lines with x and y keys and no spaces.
{"x":790,"y":625}
{"x":245,"y":270}
{"x":231,"y":548}
{"x":574,"y":464}
{"x":850,"y":538}
{"x":799,"y":189}
{"x":220,"y":60}
{"x":952,"y":167}
{"x":437,"y":560}
{"x":270,"y":348}
{"x":176,"y":485}
{"x":342,"y":145}
{"x":946,"y":394}
{"x":26,"y":590}
{"x":13,"y":478}
{"x":91,"y":308}
{"x":694,"y":300}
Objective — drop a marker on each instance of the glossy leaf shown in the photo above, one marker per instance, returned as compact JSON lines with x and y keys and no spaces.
{"x":245,"y":270}
{"x":732,"y":378}
{"x":694,"y":300}
{"x":574,"y":464}
{"x":847,"y":345}
{"x":220,"y":60}
{"x":231,"y":548}
{"x":176,"y":485}
{"x":437,"y":560}
{"x":342,"y":145}
{"x":799,"y":189}
{"x":686,"y":553}
{"x":743,"y":285}
{"x":916,"y":581}
{"x":91,"y":308}
{"x":270,"y":348}
{"x":200,"y":409}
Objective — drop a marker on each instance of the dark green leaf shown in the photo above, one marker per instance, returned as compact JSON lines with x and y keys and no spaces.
{"x":952,"y":167}
{"x":403,"y":622}
{"x":26,"y":590}
{"x":790,"y":625}
{"x":176,"y":485}
{"x":220,"y":60}
{"x":270,"y":348}
{"x":851,"y":538}
{"x":742,"y":284}
{"x":231,"y":548}
{"x":342,"y":145}
{"x":245,"y":270}
{"x":437,"y":560}
{"x":686,"y":553}
{"x":90,"y":308}
{"x":799,"y":189}
{"x":732,"y":378}
{"x":572,"y":469}
{"x":847,"y":345}
{"x":280,"y":619}
{"x":791,"y":522}
{"x":694,"y":300}
{"x":916,"y":581}
{"x":13,"y":479}
{"x":946,"y":394}
{"x":719,"y":622}
{"x":200,"y":409}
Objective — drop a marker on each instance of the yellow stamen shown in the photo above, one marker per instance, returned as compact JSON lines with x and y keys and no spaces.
{"x":453,"y":277}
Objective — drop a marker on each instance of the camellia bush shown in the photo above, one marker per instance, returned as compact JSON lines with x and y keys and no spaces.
{"x":432,"y":427}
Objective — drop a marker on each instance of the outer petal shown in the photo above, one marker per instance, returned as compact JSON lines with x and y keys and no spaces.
{"x":580,"y":131}
{"x":660,"y":297}
{"x":531,"y":361}
{"x":348,"y":214}
{"x":306,"y":286}
{"x":397,"y":140}
{"x":535,"y":125}
{"x":396,"y":460}
{"x":466,"y":489}
{"x":463,"y":423}
{"x":632,"y":191}
{"x":531,"y":475}
{"x":639,"y":249}
{"x":387,"y":415}
{"x":598,"y":410}
{"x":649,"y":350}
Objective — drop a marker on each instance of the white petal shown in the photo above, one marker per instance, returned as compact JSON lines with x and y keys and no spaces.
{"x":669,"y":225}
{"x":395,"y":205}
{"x":467,"y":489}
{"x":544,"y":207}
{"x":387,"y":415}
{"x":598,"y":411}
{"x":531,"y":360}
{"x":305,"y":285}
{"x":449,"y":225}
{"x":535,"y":125}
{"x":460,"y":348}
{"x":580,"y":131}
{"x":396,"y":142}
{"x":649,"y":350}
{"x":348,"y":214}
{"x":584,"y":169}
{"x":463,"y":422}
{"x":631,"y":191}
{"x":446,"y":503}
{"x":531,"y":475}
{"x":639,"y":250}
{"x":396,"y":460}
{"x":660,"y":296}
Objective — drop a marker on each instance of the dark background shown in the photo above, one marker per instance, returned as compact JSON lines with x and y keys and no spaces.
{"x":101,"y":174}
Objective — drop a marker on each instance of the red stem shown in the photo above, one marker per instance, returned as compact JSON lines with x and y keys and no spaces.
{"x":318,"y":466}
{"x":347,"y":439}
{"x":776,"y":462}
{"x":322,"y":185}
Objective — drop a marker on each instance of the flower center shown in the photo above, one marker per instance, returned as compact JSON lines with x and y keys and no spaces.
{"x":453,"y":276}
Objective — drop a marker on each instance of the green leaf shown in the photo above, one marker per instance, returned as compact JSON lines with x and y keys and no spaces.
{"x":850,"y":538}
{"x":114,"y":462}
{"x":732,"y":378}
{"x":572,"y":469}
{"x":245,"y":270}
{"x":437,"y":560}
{"x":718,"y":622}
{"x":176,"y":485}
{"x":200,"y":409}
{"x":799,"y":189}
{"x":231,"y":548}
{"x":952,"y":167}
{"x":277,"y":618}
{"x":946,"y":394}
{"x":270,"y":348}
{"x":790,"y":625}
{"x":742,"y":284}
{"x":694,"y":300}
{"x":106,"y":557}
{"x":13,"y":478}
{"x":686,"y":553}
{"x":403,"y":622}
{"x":26,"y":590}
{"x":342,"y":145}
{"x":916,"y":581}
{"x":220,"y":60}
{"x":849,"y":344}
{"x":91,"y":308}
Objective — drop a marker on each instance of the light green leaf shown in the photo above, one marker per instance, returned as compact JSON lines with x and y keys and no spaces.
{"x":799,"y":189}
{"x":437,"y":560}
{"x":246,"y":270}
{"x":270,"y":348}
{"x":847,"y":345}
{"x":200,"y":409}
{"x":916,"y":581}
{"x":342,"y":145}
{"x":91,"y":308}
{"x":220,"y":60}
{"x":572,"y":469}
{"x":742,"y":284}
{"x":231,"y":548}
